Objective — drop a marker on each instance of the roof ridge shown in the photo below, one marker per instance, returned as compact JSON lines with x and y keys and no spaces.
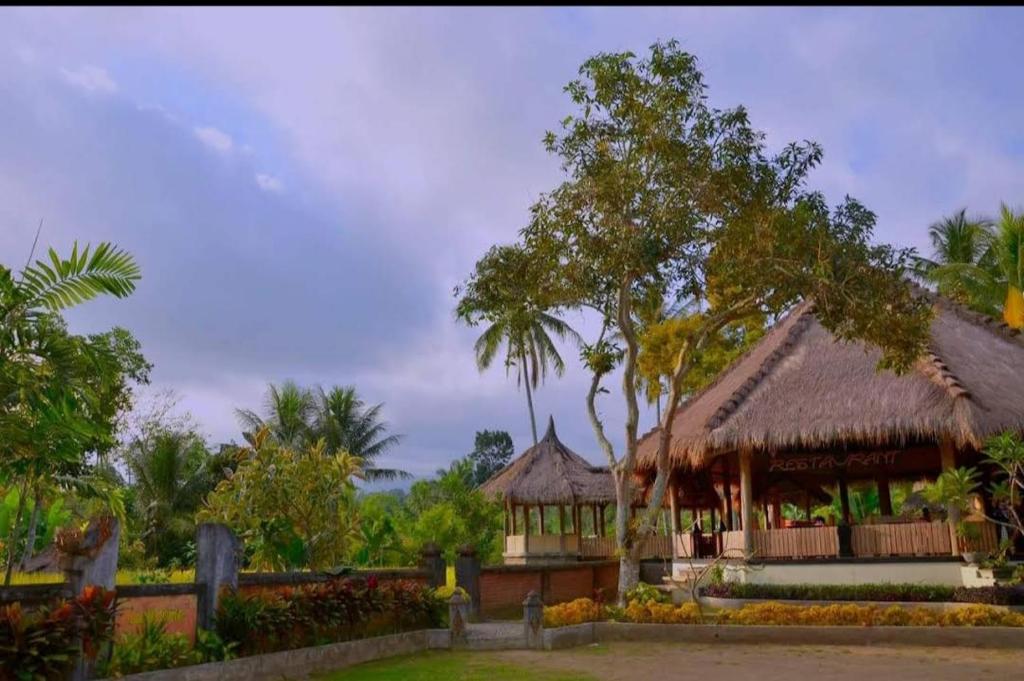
{"x":987,"y":322}
{"x":935,"y":367}
{"x":789,"y":340}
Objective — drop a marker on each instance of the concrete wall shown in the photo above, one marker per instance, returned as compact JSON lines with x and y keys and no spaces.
{"x":848,"y":572}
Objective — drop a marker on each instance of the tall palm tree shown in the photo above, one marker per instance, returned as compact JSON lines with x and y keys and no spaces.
{"x":345,"y":422}
{"x":1009,"y":254}
{"x":963,"y":265}
{"x":526,"y":337}
{"x":289,"y":410}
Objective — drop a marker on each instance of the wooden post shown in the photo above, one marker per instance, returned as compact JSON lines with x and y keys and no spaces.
{"x":593,"y":518}
{"x":543,"y":528}
{"x":844,"y":499}
{"x":514,"y":528}
{"x":884,"y":495}
{"x":727,"y":491}
{"x":807,"y":506}
{"x":947,"y":455}
{"x":526,"y":529}
{"x":776,"y":513}
{"x":561,"y":529}
{"x":600,"y":516}
{"x":746,"y":502}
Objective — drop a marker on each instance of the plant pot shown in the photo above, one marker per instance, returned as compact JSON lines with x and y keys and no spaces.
{"x":1003,"y":572}
{"x":973,"y":557}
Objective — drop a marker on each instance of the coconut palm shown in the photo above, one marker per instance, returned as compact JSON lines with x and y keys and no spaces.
{"x":526,"y":336}
{"x":1008,"y":247}
{"x":289,"y":410}
{"x":963,"y":265}
{"x":346,"y":423}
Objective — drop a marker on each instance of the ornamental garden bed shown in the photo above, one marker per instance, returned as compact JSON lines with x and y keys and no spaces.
{"x":880,"y":593}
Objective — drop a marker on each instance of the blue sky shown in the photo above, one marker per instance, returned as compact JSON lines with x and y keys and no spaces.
{"x":304,"y":187}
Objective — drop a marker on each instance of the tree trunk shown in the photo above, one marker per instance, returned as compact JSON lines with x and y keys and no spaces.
{"x":529,"y":397}
{"x":629,"y":563}
{"x":33,"y":525}
{"x":12,"y":537}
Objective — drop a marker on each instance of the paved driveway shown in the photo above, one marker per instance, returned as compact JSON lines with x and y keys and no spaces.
{"x":721,"y":662}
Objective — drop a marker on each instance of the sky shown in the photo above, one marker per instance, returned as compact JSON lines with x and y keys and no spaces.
{"x":303,"y":188}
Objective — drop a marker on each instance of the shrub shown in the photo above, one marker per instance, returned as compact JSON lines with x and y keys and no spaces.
{"x":833,"y":592}
{"x":314,"y":614}
{"x":44,"y":643}
{"x":574,"y":612}
{"x":148,"y":649}
{"x":849,"y":614}
{"x":990,"y":595}
{"x":662,"y":613}
{"x":645,"y":593}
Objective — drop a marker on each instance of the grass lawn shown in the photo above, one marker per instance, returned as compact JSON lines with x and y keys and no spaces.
{"x":461,"y":666}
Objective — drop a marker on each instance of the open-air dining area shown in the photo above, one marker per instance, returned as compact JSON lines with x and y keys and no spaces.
{"x":803,"y":418}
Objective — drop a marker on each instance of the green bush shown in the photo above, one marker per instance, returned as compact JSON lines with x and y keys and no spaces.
{"x":149,"y":649}
{"x":645,"y":593}
{"x":915,"y":593}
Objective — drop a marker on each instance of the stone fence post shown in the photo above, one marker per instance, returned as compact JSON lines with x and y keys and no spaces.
{"x":458,"y":618}
{"x":217,"y":557}
{"x":533,"y":621}
{"x":94,"y":565}
{"x":433,"y":563}
{"x":467,"y":575}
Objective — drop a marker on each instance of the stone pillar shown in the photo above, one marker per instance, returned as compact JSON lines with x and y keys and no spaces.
{"x":217,"y":556}
{"x":467,"y":576}
{"x":458,"y":618}
{"x":96,"y":565}
{"x":533,"y":621}
{"x":947,"y":454}
{"x":746,"y":502}
{"x":432,"y":561}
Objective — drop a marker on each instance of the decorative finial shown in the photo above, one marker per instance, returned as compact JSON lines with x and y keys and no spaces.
{"x":551,"y":429}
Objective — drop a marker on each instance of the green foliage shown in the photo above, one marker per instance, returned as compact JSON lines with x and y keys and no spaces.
{"x":301,"y":417}
{"x":644,"y":593}
{"x":148,"y":649}
{"x":315,"y":614}
{"x":378,"y":542}
{"x":45,"y":642}
{"x":834,"y":592}
{"x":293,"y":508}
{"x":450,"y":512}
{"x":492,"y":450}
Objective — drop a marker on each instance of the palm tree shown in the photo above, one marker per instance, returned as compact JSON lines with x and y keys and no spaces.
{"x":289,"y":408}
{"x":1009,"y":254}
{"x":963,"y":265}
{"x":526,"y":336}
{"x":344,"y":422}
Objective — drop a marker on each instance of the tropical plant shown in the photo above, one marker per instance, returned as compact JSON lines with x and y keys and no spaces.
{"x":962,"y":265}
{"x":59,"y":393}
{"x":519,"y":325}
{"x":295,"y":508}
{"x":298,"y":417}
{"x":666,"y":197}
{"x":1009,"y":250}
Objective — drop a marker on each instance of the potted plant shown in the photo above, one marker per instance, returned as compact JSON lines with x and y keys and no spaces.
{"x":998,"y":565}
{"x":968,"y":534}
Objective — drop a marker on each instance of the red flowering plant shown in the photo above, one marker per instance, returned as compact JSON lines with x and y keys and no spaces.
{"x":45,"y":642}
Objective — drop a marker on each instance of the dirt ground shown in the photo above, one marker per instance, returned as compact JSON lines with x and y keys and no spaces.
{"x":662,"y":661}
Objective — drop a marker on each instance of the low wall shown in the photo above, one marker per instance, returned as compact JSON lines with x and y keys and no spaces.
{"x":931,"y":572}
{"x":503,"y":588}
{"x":290,"y":664}
{"x":599,"y":632}
{"x":175,"y":604}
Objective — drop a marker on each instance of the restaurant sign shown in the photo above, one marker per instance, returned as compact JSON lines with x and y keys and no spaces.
{"x":827,"y":462}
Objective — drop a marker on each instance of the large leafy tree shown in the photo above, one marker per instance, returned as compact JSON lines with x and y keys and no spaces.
{"x":666,"y":197}
{"x":492,"y":450}
{"x":297,"y":416}
{"x":516,"y":326}
{"x":294,"y":507}
{"x":60,"y":393}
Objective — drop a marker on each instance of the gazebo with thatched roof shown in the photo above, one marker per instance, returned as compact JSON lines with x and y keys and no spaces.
{"x":550,"y":475}
{"x":802,"y":411}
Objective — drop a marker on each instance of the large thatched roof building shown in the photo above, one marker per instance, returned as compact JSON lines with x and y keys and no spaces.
{"x":800,"y":388}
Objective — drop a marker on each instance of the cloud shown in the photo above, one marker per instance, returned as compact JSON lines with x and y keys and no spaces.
{"x":269,"y":183}
{"x":218,"y":140}
{"x":89,"y":78}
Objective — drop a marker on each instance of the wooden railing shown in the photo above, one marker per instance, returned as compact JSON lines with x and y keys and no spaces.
{"x":797,"y":542}
{"x":597,"y":547}
{"x":542,"y":544}
{"x":902,"y":539}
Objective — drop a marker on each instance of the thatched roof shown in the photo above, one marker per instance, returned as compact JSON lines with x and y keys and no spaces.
{"x":799,"y":387}
{"x":550,"y":473}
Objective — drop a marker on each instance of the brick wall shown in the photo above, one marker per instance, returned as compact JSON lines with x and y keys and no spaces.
{"x":178,"y":611}
{"x":503,"y":589}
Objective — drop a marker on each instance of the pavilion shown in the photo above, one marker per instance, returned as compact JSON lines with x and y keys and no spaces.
{"x":801,"y":412}
{"x":549,"y":478}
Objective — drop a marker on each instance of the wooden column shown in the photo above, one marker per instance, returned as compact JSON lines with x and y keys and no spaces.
{"x":776,"y":513}
{"x":600,"y":516}
{"x":526,"y":529}
{"x":673,"y":509}
{"x":844,"y":499}
{"x":746,"y":501}
{"x":514,"y":519}
{"x":543,"y":529}
{"x":561,"y":529}
{"x":947,"y":455}
{"x":593,"y":519}
{"x":727,"y":493}
{"x":884,"y":495}
{"x":807,"y":506}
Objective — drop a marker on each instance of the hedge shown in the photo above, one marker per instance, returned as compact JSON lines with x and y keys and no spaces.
{"x":888,"y":593}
